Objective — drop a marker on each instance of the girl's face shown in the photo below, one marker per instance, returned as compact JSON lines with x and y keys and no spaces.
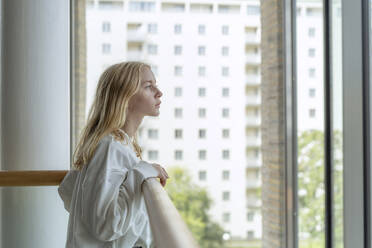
{"x":146,"y":102}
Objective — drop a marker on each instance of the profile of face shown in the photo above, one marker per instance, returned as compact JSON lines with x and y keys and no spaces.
{"x":146,"y":102}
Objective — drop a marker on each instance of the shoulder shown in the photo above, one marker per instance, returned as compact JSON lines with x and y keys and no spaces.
{"x":109,"y":141}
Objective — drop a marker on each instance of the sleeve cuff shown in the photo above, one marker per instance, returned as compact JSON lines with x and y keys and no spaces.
{"x":146,"y":170}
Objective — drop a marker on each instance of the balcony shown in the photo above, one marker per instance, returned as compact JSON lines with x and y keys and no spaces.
{"x":253,"y":58}
{"x":252,"y":38}
{"x":253,"y":184}
{"x":253,"y":100}
{"x":135,"y":55}
{"x":253,"y":121}
{"x":253,"y":79}
{"x":253,"y":141}
{"x":254,"y":164}
{"x":253,"y":203}
{"x":137,"y":35}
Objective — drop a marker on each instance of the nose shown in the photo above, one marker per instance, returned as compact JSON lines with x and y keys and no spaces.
{"x":159,"y":93}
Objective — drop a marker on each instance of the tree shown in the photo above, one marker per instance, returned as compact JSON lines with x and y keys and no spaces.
{"x":193,"y":204}
{"x":311,"y":193}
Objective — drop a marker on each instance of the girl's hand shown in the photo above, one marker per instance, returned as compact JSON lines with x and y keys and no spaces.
{"x":162,"y":174}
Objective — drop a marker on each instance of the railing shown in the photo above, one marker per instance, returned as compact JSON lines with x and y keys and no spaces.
{"x":169,"y":230}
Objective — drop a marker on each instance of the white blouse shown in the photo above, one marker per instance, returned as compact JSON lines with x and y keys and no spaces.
{"x":104,"y":200}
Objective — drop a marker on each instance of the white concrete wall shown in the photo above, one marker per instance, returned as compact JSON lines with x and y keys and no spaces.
{"x":35,"y":118}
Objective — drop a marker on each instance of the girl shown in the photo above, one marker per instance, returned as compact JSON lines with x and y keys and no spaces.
{"x":102,"y":193}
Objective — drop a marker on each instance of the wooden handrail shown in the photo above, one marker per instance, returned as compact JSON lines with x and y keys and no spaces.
{"x":168,"y":227}
{"x":32,"y":178}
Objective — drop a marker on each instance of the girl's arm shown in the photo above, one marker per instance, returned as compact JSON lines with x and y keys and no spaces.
{"x":109,"y":190}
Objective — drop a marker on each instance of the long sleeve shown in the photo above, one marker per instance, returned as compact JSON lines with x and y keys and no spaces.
{"x":109,"y":190}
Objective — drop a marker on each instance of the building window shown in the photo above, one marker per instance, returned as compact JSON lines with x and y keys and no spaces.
{"x":202,"y":175}
{"x":106,"y":48}
{"x":201,"y":71}
{"x":178,"y":70}
{"x":225,"y":30}
{"x":177,"y":50}
{"x":250,"y":216}
{"x":253,"y":10}
{"x":177,"y":28}
{"x":178,"y":91}
{"x":225,"y":175}
{"x":201,"y":50}
{"x":311,"y":32}
{"x":202,"y":133}
{"x":312,"y":93}
{"x":152,"y":49}
{"x":202,"y":154}
{"x":314,"y":12}
{"x":178,"y":155}
{"x":106,"y":27}
{"x":201,"y":29}
{"x":225,"y":112}
{"x":225,"y":154}
{"x":250,"y":234}
{"x":312,"y":113}
{"x":256,"y":153}
{"x":152,"y":28}
{"x":178,"y":133}
{"x":136,"y":6}
{"x":225,"y":51}
{"x":225,"y":133}
{"x":152,"y":133}
{"x":201,"y":92}
{"x":225,"y":71}
{"x":178,"y":113}
{"x":226,"y":195}
{"x":311,"y":52}
{"x":225,"y":92}
{"x":202,"y":112}
{"x":153,"y":155}
{"x":312,"y":72}
{"x":226,"y":217}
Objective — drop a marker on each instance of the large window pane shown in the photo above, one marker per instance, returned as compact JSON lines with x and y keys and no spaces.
{"x":310,"y":119}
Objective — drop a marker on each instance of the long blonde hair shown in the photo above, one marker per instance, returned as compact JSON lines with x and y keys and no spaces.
{"x":117,"y":84}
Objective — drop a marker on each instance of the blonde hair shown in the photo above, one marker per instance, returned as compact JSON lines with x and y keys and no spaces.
{"x":117,"y":84}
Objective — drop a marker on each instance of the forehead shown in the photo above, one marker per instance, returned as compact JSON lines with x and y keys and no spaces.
{"x":146,"y":75}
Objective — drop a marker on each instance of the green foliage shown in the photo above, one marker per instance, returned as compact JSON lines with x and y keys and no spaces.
{"x":193,"y":204}
{"x":311,"y":192}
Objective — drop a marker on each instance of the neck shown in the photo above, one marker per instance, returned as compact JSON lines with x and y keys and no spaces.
{"x":131,"y":125}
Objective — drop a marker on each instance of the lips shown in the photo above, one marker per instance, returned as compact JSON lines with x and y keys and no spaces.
{"x":158,"y":104}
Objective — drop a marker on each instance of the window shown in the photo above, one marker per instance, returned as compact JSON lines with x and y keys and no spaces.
{"x":313,"y":12}
{"x":152,"y":49}
{"x":178,"y":70}
{"x":225,"y":154}
{"x":202,"y":175}
{"x":256,"y":152}
{"x":225,"y":92}
{"x":141,"y":6}
{"x":178,"y":91}
{"x":201,"y":29}
{"x":173,"y":7}
{"x":250,"y":234}
{"x":202,"y":133}
{"x":225,"y":51}
{"x":177,"y":28}
{"x":178,"y":134}
{"x":312,"y":72}
{"x":106,"y":27}
{"x":226,"y":195}
{"x":225,"y":133}
{"x":153,"y":155}
{"x":225,"y":30}
{"x":250,"y":216}
{"x":312,"y":93}
{"x":178,"y":113}
{"x":253,"y":10}
{"x":225,"y":175}
{"x":225,"y":71}
{"x":178,"y":155}
{"x":201,"y":50}
{"x":226,"y":217}
{"x":201,"y":71}
{"x":177,"y":50}
{"x":152,"y":133}
{"x":202,"y":112}
{"x":201,"y":92}
{"x":152,"y":28}
{"x":311,"y":52}
{"x":106,"y":48}
{"x":311,"y":32}
{"x":312,"y":113}
{"x":202,"y":154}
{"x":225,"y":112}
